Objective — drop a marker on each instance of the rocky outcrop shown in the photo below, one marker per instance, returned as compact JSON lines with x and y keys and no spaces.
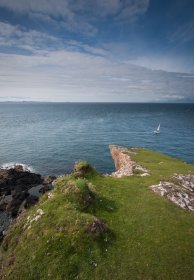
{"x":19,"y":189}
{"x":180,"y":191}
{"x":124,"y":165}
{"x":14,"y":186}
{"x":17,"y":179}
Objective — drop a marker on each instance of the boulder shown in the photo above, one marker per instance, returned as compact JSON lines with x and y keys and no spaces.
{"x":14,"y":205}
{"x":48,"y":180}
{"x":30,"y":200}
{"x":17,"y":179}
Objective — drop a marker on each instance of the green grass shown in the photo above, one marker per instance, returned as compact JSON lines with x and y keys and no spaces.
{"x":147,"y":236}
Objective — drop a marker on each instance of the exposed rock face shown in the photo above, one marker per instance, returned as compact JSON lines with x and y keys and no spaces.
{"x":180,"y":192}
{"x":16,"y":184}
{"x":17,"y":179}
{"x":124,"y":165}
{"x":186,"y":181}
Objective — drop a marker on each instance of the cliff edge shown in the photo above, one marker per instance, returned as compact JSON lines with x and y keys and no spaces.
{"x":116,"y":227}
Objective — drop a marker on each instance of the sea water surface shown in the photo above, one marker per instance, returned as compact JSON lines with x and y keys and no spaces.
{"x":50,"y":137}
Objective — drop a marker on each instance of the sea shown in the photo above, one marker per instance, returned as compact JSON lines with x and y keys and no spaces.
{"x":49,"y":138}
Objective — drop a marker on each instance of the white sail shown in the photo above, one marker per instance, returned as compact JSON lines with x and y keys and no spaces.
{"x":158,"y":129}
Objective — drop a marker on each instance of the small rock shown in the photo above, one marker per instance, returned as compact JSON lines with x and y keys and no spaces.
{"x":97,"y":226}
{"x":45,"y":188}
{"x":49,"y":179}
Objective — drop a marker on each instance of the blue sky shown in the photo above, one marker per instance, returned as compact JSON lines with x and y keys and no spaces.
{"x":86,"y":50}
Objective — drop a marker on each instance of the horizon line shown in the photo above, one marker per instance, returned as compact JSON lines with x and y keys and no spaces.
{"x":103,"y":102}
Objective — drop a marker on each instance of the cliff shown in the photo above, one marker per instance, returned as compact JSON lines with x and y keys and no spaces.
{"x":179,"y":188}
{"x":92,"y":226}
{"x":124,"y":164}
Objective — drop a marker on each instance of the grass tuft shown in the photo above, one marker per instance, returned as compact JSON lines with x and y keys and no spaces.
{"x":83,"y":169}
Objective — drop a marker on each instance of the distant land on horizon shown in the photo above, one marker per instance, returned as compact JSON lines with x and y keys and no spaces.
{"x":100,"y":102}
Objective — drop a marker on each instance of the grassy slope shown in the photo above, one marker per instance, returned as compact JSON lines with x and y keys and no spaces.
{"x":149,"y":237}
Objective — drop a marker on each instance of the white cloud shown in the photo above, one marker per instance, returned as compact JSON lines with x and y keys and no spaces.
{"x":38,"y":42}
{"x":67,"y":75}
{"x":18,"y":37}
{"x":168,"y":62}
{"x":77,"y":15}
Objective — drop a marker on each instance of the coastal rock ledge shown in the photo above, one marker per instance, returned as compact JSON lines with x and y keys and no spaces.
{"x":124,"y":165}
{"x":180,"y":190}
{"x":19,"y":190}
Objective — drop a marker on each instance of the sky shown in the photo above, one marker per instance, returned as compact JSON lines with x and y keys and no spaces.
{"x":97,"y":50}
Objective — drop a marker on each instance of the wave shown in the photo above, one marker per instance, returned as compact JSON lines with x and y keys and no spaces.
{"x":10,"y":165}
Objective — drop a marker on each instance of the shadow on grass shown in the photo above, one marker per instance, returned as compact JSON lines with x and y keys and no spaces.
{"x":103,"y":204}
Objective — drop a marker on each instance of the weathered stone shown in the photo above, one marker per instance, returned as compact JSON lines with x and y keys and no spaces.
{"x":176,"y":193}
{"x":186,"y":181}
{"x":124,"y":165}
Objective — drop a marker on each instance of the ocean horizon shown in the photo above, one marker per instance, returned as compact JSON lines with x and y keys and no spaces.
{"x":49,"y":137}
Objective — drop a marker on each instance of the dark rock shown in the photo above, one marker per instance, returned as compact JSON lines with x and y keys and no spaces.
{"x":19,"y":168}
{"x":30,"y":200}
{"x":15,"y":185}
{"x":14,"y":205}
{"x":1,"y":236}
{"x":17,"y":179}
{"x":8,"y":192}
{"x":3,"y":203}
{"x":45,"y":188}
{"x":48,"y":180}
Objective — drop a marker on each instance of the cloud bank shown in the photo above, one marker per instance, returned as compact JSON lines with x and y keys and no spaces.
{"x":42,"y":59}
{"x":77,"y":15}
{"x":66,"y":75}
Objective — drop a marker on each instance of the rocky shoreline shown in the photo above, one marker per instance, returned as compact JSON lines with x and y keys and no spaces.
{"x":19,"y":189}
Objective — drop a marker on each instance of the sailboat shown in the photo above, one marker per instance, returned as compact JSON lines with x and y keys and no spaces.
{"x":157,"y":131}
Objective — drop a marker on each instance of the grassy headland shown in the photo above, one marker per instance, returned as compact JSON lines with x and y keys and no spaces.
{"x":96,"y":227}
